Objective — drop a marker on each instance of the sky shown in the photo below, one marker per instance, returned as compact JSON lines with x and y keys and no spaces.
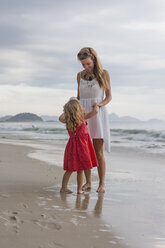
{"x":40,"y":39}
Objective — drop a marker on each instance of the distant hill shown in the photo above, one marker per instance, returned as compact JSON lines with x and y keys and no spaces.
{"x":24,"y":117}
{"x":155,"y":121}
{"x":5,"y":118}
{"x":115,"y":118}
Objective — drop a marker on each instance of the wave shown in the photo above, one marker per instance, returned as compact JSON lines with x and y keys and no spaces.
{"x":33,"y":128}
{"x":150,"y":139}
{"x":140,"y":134}
{"x":45,"y":130}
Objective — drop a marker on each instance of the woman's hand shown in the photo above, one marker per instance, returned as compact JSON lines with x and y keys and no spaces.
{"x":99,"y":105}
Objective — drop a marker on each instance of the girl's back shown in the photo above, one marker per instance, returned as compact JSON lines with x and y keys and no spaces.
{"x":79,"y":152}
{"x":80,"y":130}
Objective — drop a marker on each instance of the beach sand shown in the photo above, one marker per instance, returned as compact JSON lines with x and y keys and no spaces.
{"x":33,"y":214}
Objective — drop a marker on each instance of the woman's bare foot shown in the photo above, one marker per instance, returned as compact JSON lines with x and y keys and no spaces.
{"x":86,"y":186}
{"x":68,"y":191}
{"x":101,"y":189}
{"x":79,"y":192}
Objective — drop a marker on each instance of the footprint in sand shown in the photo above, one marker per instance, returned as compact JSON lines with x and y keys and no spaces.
{"x":51,"y":245}
{"x":4,"y":195}
{"x":11,"y":221}
{"x":47,"y":224}
{"x":55,"y":244}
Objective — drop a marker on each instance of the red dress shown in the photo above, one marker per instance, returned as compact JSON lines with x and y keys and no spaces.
{"x":79,"y":152}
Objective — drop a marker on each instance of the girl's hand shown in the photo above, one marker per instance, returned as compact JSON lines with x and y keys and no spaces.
{"x":92,"y":113}
{"x":95,"y":108}
{"x":62,"y":118}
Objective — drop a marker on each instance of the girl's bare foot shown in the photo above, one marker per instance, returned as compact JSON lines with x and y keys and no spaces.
{"x":101,"y":189}
{"x":86,"y":186}
{"x":68,"y":191}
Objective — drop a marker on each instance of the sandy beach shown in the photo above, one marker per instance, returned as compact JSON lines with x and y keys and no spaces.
{"x":34,"y":214}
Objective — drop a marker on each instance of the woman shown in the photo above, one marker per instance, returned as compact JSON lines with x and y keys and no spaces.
{"x":94,"y":87}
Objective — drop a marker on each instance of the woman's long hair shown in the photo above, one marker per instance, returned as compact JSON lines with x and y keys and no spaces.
{"x":98,"y":70}
{"x":74,"y":114}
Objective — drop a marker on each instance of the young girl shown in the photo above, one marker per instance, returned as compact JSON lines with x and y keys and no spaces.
{"x":79,"y":152}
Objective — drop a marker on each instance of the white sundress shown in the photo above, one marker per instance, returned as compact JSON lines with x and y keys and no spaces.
{"x":98,"y":126}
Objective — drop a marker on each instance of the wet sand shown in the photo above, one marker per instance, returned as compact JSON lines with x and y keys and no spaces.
{"x":134,"y":202}
{"x":34,"y":214}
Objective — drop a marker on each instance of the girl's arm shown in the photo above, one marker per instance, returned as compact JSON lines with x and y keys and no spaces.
{"x":93,"y":112}
{"x":108,"y":96}
{"x":62,"y":118}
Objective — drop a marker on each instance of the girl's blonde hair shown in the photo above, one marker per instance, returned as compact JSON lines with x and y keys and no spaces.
{"x":98,"y":70}
{"x":74,"y":114}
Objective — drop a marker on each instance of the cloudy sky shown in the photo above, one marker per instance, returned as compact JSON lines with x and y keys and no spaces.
{"x":39,"y":41}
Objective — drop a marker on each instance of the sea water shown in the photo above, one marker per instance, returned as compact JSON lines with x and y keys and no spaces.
{"x":51,"y":137}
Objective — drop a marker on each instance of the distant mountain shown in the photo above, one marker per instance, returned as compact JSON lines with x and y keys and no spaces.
{"x":4,"y":118}
{"x":49,"y":118}
{"x":24,"y":117}
{"x":115,"y":118}
{"x":155,"y":121}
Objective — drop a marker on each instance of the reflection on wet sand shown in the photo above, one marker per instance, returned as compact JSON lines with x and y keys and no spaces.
{"x":83,"y":213}
{"x":99,"y":205}
{"x":82,"y":202}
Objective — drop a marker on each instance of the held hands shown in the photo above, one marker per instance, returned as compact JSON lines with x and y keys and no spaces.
{"x":95,"y":108}
{"x":93,"y":112}
{"x":99,"y":105}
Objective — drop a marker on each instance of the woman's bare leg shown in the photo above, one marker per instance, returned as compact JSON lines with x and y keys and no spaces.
{"x":65,"y":181}
{"x":98,"y":145}
{"x":87,"y":185}
{"x":79,"y":181}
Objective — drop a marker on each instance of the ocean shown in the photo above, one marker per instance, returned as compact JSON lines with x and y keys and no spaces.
{"x":50,"y":138}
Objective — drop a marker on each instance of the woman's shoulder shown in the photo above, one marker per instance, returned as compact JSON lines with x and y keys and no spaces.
{"x":106,"y":73}
{"x":80,"y":75}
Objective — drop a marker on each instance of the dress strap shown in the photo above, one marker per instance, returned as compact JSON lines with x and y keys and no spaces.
{"x":80,"y":78}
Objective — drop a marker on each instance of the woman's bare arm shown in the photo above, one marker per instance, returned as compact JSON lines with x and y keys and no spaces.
{"x":108,"y":96}
{"x":78,"y":83}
